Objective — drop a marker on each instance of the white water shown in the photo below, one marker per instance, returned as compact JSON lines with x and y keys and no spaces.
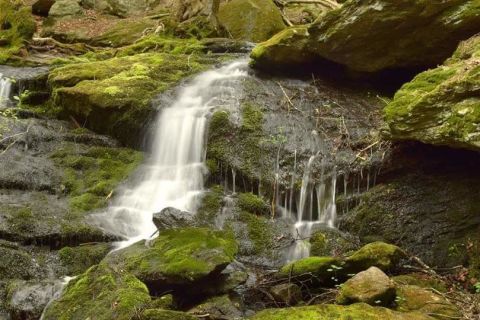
{"x":174,"y":176}
{"x":5,"y":91}
{"x":310,"y":214}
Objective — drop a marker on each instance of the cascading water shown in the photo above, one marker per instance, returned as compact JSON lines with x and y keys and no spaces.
{"x":5,"y":90}
{"x":174,"y":175}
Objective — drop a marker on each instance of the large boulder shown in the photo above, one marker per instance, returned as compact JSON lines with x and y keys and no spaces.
{"x":125,"y":8}
{"x":371,"y":286}
{"x":177,"y":257}
{"x":441,"y":106}
{"x":100,"y":293}
{"x":358,"y":311}
{"x":252,"y":20}
{"x":413,"y":298}
{"x":171,"y":218}
{"x":370,"y":36}
{"x":65,"y":8}
{"x":221,"y":307}
{"x":376,"y":254}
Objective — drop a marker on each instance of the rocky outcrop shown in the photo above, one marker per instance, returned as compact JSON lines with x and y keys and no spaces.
{"x":252,"y":20}
{"x":371,"y":286}
{"x":441,"y":106}
{"x":171,"y":218}
{"x":392,"y":29}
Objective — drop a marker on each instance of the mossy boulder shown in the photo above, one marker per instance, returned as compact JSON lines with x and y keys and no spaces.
{"x":320,"y":268}
{"x":391,"y":28}
{"x":114,"y":96}
{"x":77,"y":260}
{"x":376,"y":254}
{"x":252,"y":20}
{"x":441,"y":106}
{"x":217,"y":308}
{"x":253,"y":204}
{"x":371,"y":286}
{"x":16,"y":263}
{"x":359,"y":311}
{"x":331,"y":242}
{"x":159,"y":314}
{"x":16,"y":26}
{"x":421,"y":280}
{"x":100,"y":293}
{"x":177,"y":257}
{"x":413,"y":298}
{"x":65,"y":8}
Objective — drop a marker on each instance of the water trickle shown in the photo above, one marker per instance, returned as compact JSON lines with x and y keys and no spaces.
{"x":174,"y":176}
{"x":5,"y":91}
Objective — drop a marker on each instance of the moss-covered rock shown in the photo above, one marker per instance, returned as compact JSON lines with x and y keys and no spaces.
{"x":253,"y":204}
{"x":16,"y":263}
{"x":252,"y":20}
{"x":100,"y":293}
{"x":321,"y":268}
{"x":441,"y":106}
{"x":421,"y":280}
{"x":376,"y":254}
{"x":413,"y":298}
{"x":177,"y":257}
{"x":218,"y":308}
{"x":359,"y":311}
{"x":77,"y":260}
{"x":16,"y":26}
{"x":65,"y":8}
{"x":391,"y":29}
{"x":114,"y":96}
{"x":331,"y":242}
{"x":371,"y":286}
{"x":159,"y":314}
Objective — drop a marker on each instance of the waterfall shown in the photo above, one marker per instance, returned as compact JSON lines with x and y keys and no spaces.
{"x":5,"y":91}
{"x":174,"y":176}
{"x":311,"y":213}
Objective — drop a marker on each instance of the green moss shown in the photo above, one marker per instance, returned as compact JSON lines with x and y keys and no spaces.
{"x":259,"y":232}
{"x":359,"y":311}
{"x":251,"y":20}
{"x":421,"y":280}
{"x":379,"y":254}
{"x":253,"y":204}
{"x":100,"y":293}
{"x":16,"y":264}
{"x":319,"y":267}
{"x":165,"y":302}
{"x":179,"y":256}
{"x":91,"y":176}
{"x":16,"y":26}
{"x":21,"y":219}
{"x":210,"y":205}
{"x":77,"y":260}
{"x":159,"y":314}
{"x":113,"y":96}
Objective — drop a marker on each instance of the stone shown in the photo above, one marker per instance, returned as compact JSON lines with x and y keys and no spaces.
{"x":65,"y":8}
{"x":221,"y":307}
{"x":376,"y":254}
{"x":252,"y":20}
{"x":125,"y":8}
{"x":42,"y":7}
{"x":331,"y":242}
{"x":389,"y":27}
{"x":358,"y":311}
{"x":414,"y":298}
{"x":100,"y":293}
{"x":320,"y":268}
{"x":287,"y":293}
{"x":372,"y":286}
{"x":17,"y":263}
{"x":159,"y":314}
{"x":441,"y":106}
{"x":171,"y":218}
{"x":177,"y":257}
{"x":26,"y":300}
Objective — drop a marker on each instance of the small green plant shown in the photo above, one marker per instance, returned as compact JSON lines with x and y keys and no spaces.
{"x":476,"y":286}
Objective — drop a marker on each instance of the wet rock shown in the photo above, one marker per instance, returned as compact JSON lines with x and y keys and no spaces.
{"x":252,"y":20}
{"x":225,"y":45}
{"x":116,"y":294}
{"x":77,"y":260}
{"x":376,"y":254}
{"x":26,"y":300}
{"x":331,"y":242}
{"x":171,"y":218}
{"x":340,"y":36}
{"x":65,"y":8}
{"x":371,"y":286}
{"x":440,"y":106}
{"x":318,"y":268}
{"x":287,"y":293}
{"x":177,"y":257}
{"x":358,"y":311}
{"x":218,"y":308}
{"x":414,"y":298}
{"x":17,"y":263}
